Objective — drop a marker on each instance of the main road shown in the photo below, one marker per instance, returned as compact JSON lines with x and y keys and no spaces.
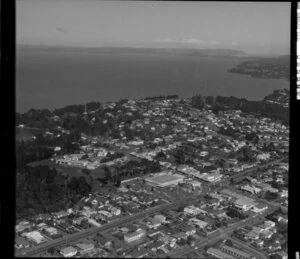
{"x":71,"y":238}
{"x":223,"y":234}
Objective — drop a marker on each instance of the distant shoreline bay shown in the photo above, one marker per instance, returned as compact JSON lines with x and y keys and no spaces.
{"x":49,"y":80}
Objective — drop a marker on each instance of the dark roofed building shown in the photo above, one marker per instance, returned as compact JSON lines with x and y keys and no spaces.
{"x":236,"y":252}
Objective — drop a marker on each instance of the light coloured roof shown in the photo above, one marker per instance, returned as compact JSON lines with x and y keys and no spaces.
{"x":69,"y":249}
{"x":244,"y":201}
{"x":164,"y":178}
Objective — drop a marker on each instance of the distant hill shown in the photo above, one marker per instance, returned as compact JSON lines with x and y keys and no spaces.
{"x":277,"y":67}
{"x":281,"y":97}
{"x":129,"y":50}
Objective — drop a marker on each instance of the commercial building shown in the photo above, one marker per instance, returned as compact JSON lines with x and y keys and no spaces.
{"x":210,"y":178}
{"x":164,"y":179}
{"x":36,"y":237}
{"x":236,"y":252}
{"x":105,"y":213}
{"x":22,"y":225}
{"x":258,"y":208}
{"x":244,"y":203}
{"x":85,"y":248}
{"x":157,"y":220}
{"x":115,"y":210}
{"x":51,"y":231}
{"x":219,"y":254}
{"x":188,"y":229}
{"x":193,"y":210}
{"x":253,"y":235}
{"x":69,"y":251}
{"x":135,"y":235}
{"x":60,"y":214}
{"x":250,"y":189}
{"x":198,"y":222}
{"x":268,"y":224}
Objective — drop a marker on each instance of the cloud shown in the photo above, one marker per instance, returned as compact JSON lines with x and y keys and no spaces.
{"x":165,"y":40}
{"x":234,"y":43}
{"x":61,"y":30}
{"x":185,"y":40}
{"x":213,"y":42}
{"x":195,"y":41}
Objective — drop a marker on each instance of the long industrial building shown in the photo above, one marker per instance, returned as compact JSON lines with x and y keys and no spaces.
{"x":164,"y":179}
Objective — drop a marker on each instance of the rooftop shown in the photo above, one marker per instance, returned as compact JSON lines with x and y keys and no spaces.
{"x":237,"y":251}
{"x":164,"y":178}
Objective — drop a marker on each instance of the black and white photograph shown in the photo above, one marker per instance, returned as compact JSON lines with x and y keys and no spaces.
{"x":152,"y":129}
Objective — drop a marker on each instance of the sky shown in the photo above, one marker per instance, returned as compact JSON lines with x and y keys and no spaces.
{"x":254,"y":27}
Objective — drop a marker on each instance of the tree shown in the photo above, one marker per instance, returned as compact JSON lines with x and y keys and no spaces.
{"x":161,"y":155}
{"x":118,"y":183}
{"x":229,"y":242}
{"x":181,"y":208}
{"x":180,"y":156}
{"x":234,"y":213}
{"x":107,"y":172}
{"x":51,"y":250}
{"x":190,"y":240}
{"x":198,"y":101}
{"x":86,"y":172}
{"x":222,"y":163}
{"x":271,"y":195}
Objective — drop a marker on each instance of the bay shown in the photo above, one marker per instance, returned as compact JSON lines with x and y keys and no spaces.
{"x":55,"y":79}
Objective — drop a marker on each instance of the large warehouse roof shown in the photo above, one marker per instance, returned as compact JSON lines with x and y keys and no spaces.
{"x":164,"y":178}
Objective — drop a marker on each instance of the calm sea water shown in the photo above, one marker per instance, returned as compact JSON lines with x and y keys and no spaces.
{"x":55,"y":79}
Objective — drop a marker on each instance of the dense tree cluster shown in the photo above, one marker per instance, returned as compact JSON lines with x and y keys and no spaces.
{"x":247,"y":154}
{"x":228,"y":131}
{"x":269,"y":147}
{"x":262,"y":108}
{"x":271,"y":195}
{"x":161,"y":97}
{"x":272,"y":110}
{"x":252,"y":137}
{"x":42,"y":190}
{"x":30,"y":152}
{"x":198,"y":101}
{"x":234,"y":213}
{"x":42,"y":148}
{"x":161,"y":156}
{"x":79,"y":108}
{"x":37,"y":118}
